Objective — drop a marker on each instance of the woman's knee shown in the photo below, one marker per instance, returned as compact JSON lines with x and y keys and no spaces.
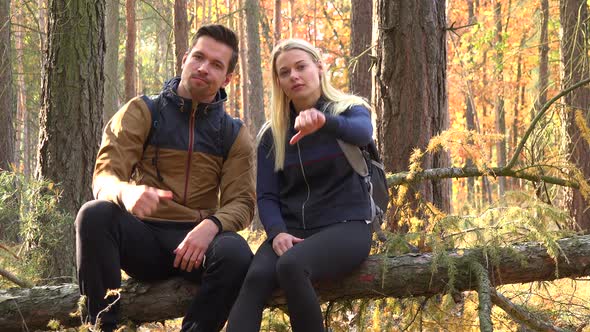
{"x":290,"y":267}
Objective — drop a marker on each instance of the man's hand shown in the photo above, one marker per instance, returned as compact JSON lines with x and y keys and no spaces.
{"x":191,"y":251}
{"x":307,"y":122}
{"x":283,"y":242}
{"x":142,"y":200}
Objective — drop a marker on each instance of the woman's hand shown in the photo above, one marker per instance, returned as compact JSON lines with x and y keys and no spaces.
{"x":283,"y":242}
{"x":307,"y":122}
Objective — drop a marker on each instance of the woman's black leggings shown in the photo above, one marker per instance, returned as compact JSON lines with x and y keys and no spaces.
{"x":326,"y":253}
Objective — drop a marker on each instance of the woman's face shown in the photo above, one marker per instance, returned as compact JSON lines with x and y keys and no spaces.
{"x":299,"y":77}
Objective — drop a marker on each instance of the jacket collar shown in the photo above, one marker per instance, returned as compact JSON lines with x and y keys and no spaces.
{"x":169,"y":91}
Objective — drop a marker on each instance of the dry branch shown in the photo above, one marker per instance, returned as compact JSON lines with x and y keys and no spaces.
{"x":466,"y":172}
{"x":380,"y":276}
{"x":521,"y":315}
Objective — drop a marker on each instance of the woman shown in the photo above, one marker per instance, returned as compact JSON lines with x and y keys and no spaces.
{"x":313,"y":206}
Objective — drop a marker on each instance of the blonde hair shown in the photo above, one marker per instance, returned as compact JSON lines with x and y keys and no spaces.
{"x":279,"y":117}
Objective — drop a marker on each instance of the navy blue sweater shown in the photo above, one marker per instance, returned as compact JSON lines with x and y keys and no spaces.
{"x":317,"y":186}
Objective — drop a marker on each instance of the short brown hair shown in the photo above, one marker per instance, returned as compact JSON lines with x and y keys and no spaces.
{"x":223,"y":35}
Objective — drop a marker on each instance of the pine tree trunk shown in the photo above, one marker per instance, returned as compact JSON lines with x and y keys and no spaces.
{"x":7,"y":101}
{"x":277,"y":21}
{"x":23,"y":139}
{"x":111,"y":60}
{"x":470,"y":104}
{"x":543,"y":83}
{"x":410,"y":89}
{"x":243,"y":64}
{"x":130,"y":87}
{"x":42,"y":4}
{"x":255,"y":89}
{"x":574,"y":50}
{"x":180,"y":33}
{"x":71,"y":110}
{"x":292,"y":18}
{"x":379,"y":276}
{"x":499,"y":109}
{"x":360,"y":42}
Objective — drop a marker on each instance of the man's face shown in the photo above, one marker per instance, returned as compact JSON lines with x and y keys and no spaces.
{"x":204,"y":70}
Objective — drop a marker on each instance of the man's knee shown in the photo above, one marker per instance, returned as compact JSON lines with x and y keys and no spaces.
{"x":231,"y":249}
{"x":95,"y":215}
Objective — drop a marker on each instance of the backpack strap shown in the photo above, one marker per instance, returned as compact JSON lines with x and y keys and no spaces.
{"x":355,"y":157}
{"x":228,"y":133}
{"x":153,"y":105}
{"x":358,"y":161}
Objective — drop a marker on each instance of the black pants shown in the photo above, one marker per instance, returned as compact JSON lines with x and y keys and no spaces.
{"x":326,"y":253}
{"x":109,"y":239}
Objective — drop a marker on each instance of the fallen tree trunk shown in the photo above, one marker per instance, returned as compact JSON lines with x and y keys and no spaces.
{"x":380,"y":276}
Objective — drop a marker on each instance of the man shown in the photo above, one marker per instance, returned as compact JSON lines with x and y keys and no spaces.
{"x":173,"y":182}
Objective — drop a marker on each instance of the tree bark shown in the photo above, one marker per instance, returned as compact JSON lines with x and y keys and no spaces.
{"x":255,"y":89}
{"x":379,"y":276}
{"x":410,"y":92}
{"x":243,"y":63}
{"x":71,"y":109}
{"x":180,"y":33}
{"x":499,"y":109}
{"x":470,"y":103}
{"x":543,"y":83}
{"x":130,"y":87}
{"x":574,"y":17}
{"x":7,"y":101}
{"x":277,"y":21}
{"x":23,"y":139}
{"x":291,"y":18}
{"x":111,"y":61}
{"x":360,"y":42}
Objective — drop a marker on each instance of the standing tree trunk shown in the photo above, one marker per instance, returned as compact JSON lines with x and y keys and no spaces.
{"x":111,"y":61}
{"x":499,"y":112}
{"x":255,"y":90}
{"x":180,"y":33}
{"x":518,"y":104}
{"x":291,"y":18}
{"x":410,"y":88}
{"x":574,"y":17}
{"x":543,"y":83}
{"x":7,"y":102}
{"x":470,"y":103}
{"x":130,"y":88}
{"x":42,"y":4}
{"x":71,"y":109}
{"x":23,"y":140}
{"x":196,"y":11}
{"x":243,"y":64}
{"x":360,"y":41}
{"x":277,"y":21}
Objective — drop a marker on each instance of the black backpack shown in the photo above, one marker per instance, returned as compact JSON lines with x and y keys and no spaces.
{"x":153,"y":103}
{"x":367,"y":163}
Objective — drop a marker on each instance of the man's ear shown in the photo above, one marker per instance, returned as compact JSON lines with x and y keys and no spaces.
{"x":184,"y":59}
{"x":228,"y":78}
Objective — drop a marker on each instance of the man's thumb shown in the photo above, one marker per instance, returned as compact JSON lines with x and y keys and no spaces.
{"x":166,"y":194}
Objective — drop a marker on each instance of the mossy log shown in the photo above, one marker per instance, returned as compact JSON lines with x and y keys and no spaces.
{"x":380,"y":276}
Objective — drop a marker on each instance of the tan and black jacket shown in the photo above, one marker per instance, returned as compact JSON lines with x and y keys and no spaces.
{"x":187,"y":150}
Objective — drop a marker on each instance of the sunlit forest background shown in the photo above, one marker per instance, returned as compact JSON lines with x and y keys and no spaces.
{"x":480,"y":109}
